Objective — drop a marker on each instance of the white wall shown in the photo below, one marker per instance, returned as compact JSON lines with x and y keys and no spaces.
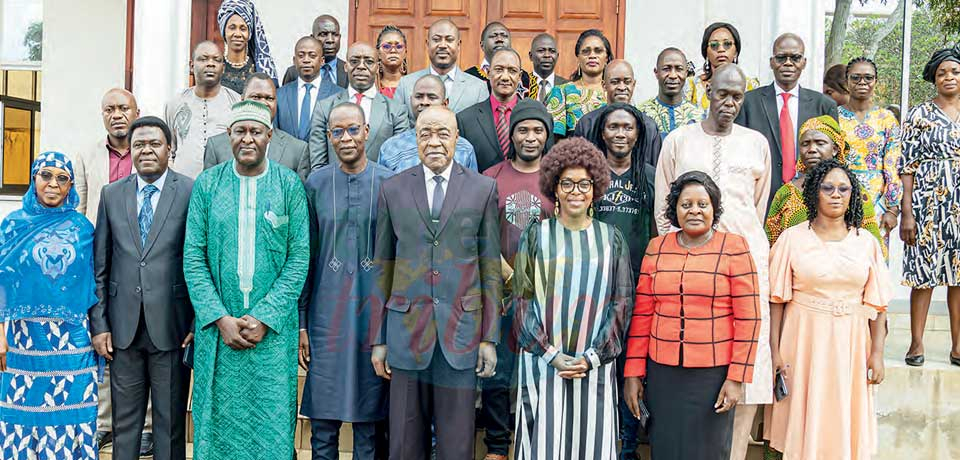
{"x":287,"y":20}
{"x":83,"y":57}
{"x":652,"y":26}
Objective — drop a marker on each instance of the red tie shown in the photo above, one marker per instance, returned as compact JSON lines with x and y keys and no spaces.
{"x":503,"y":130}
{"x":788,"y":148}
{"x":359,"y":97}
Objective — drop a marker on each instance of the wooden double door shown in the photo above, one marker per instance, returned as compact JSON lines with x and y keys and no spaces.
{"x":564,"y":19}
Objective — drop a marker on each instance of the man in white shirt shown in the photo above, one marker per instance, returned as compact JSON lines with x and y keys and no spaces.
{"x":443,"y":46}
{"x":385,"y":117}
{"x":543,"y":55}
{"x":297,"y":99}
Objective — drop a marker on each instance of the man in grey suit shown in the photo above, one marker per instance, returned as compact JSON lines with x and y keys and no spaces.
{"x":765,"y":110}
{"x":443,"y":47}
{"x":283,"y":148}
{"x":385,"y":116}
{"x":143,"y":318}
{"x":438,"y":255}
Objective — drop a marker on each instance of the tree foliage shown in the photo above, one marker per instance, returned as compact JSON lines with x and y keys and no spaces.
{"x":928,"y":36}
{"x":33,"y":40}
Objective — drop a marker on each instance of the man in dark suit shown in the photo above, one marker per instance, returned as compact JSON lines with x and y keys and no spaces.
{"x":283,"y":148}
{"x":326,"y":29}
{"x":297,"y":99}
{"x":543,"y":55}
{"x":487,"y":124}
{"x":495,"y":37}
{"x":385,"y":117}
{"x":438,"y":252}
{"x":143,"y":318}
{"x":778,"y":110}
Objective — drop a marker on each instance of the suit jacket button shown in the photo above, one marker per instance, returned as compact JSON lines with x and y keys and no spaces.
{"x":436,"y":273}
{"x":143,"y":264}
{"x":436,"y":243}
{"x":137,"y":289}
{"x":436,"y":301}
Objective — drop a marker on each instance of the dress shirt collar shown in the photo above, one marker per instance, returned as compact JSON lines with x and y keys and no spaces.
{"x":495,"y":104}
{"x":428,"y":173}
{"x":660,"y":101}
{"x":157,"y":183}
{"x":549,"y":78}
{"x":370,"y":93}
{"x":452,"y":73}
{"x":795,"y":92}
{"x":115,"y":151}
{"x":301,"y":82}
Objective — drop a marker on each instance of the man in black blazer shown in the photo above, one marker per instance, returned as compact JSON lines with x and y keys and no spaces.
{"x":764,"y":109}
{"x":543,"y":54}
{"x":486,"y":124}
{"x":144,"y":317}
{"x":326,"y":28}
{"x":283,"y":148}
{"x":438,"y":253}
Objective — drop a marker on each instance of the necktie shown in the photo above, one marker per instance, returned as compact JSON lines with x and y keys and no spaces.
{"x":358,"y":97}
{"x":503,"y":130}
{"x":437,"y":198}
{"x":328,"y":73}
{"x":788,"y":148}
{"x":542,"y":95}
{"x":145,"y":218}
{"x":305,"y":111}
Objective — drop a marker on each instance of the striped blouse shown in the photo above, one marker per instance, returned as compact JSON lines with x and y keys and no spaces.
{"x":696,"y":307}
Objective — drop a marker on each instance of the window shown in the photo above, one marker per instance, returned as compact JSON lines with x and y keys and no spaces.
{"x":21,"y":50}
{"x":21,"y":32}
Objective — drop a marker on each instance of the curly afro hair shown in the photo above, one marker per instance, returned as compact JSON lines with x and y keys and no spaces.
{"x":811,"y":193}
{"x":693,"y":178}
{"x":575,"y":152}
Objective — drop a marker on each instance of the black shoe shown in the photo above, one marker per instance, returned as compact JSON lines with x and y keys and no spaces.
{"x":146,"y":444}
{"x":104,"y":438}
{"x":954,"y":361}
{"x":915,"y":361}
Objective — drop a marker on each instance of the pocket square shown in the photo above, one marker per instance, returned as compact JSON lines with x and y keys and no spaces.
{"x":275,"y":220}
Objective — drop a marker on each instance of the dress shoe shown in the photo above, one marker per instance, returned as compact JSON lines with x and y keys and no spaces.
{"x":146,"y":444}
{"x":104,"y":438}
{"x":954,"y":361}
{"x":495,"y":457}
{"x":915,"y":361}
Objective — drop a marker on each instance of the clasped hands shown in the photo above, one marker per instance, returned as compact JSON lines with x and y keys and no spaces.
{"x":241,"y":333}
{"x":569,"y":367}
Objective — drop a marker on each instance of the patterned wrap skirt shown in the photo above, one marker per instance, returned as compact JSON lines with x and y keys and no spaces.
{"x":48,"y":394}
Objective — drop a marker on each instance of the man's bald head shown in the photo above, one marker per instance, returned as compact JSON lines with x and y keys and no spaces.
{"x":118,"y":109}
{"x":731,"y":74}
{"x":619,"y":81}
{"x":443,"y":24}
{"x":428,"y":91}
{"x":788,"y":60}
{"x":436,"y":132}
{"x":791,"y":37}
{"x":726,"y":90}
{"x":326,"y":29}
{"x":347,"y":111}
{"x":361,"y":66}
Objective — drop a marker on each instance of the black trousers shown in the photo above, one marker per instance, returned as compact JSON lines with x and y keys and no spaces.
{"x":136,"y":372}
{"x":439,"y":394}
{"x":495,"y":417}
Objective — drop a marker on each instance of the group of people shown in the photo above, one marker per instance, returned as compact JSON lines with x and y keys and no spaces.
{"x":649,"y":272}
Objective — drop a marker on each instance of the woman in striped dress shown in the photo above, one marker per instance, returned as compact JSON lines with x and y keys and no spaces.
{"x":573,"y":294}
{"x":48,"y":390}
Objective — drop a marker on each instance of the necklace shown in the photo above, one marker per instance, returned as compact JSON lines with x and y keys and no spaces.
{"x":717,"y":157}
{"x":696,"y":244}
{"x":236,"y":64}
{"x":366,"y":263}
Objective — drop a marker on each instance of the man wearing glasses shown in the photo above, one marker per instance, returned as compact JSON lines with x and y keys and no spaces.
{"x":385,"y":117}
{"x":778,"y":110}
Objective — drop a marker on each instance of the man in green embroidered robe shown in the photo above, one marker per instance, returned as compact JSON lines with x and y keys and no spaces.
{"x":245,"y":257}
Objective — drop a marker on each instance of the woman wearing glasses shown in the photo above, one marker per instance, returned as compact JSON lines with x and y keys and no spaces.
{"x":720,"y":45}
{"x":392,"y":53}
{"x":874,"y":136}
{"x":584,"y":93}
{"x":930,"y":225}
{"x":696,"y":322}
{"x":572,"y":293}
{"x":829,"y":289}
{"x":49,"y":369}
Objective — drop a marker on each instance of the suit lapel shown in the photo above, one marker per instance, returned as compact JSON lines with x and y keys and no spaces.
{"x":130,"y":203}
{"x":378,"y":107}
{"x":457,"y":89}
{"x":804,"y":111}
{"x":488,"y":125}
{"x":419,"y":188}
{"x":277,"y":146}
{"x":341,"y":74}
{"x":167,"y":195}
{"x":768,"y":102}
{"x":451,"y":197}
{"x":292,"y":105}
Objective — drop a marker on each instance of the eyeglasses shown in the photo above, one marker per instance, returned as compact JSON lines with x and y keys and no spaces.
{"x":388,"y":47}
{"x":726,"y":44}
{"x":782,"y":58}
{"x":866,"y":78}
{"x":47,"y":176}
{"x":829,"y":189}
{"x":353,"y":131}
{"x":585,"y":185}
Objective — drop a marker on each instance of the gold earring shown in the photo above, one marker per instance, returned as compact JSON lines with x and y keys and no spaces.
{"x":590,"y":211}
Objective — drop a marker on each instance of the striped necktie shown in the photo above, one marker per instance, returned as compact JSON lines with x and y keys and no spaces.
{"x":145,"y":218}
{"x":503,"y":130}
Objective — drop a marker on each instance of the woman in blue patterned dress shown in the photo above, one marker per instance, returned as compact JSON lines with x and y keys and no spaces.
{"x":930,"y":223}
{"x":584,"y":93}
{"x":48,"y":394}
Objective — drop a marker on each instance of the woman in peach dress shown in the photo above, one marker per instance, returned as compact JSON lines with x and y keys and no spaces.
{"x":829,"y":288}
